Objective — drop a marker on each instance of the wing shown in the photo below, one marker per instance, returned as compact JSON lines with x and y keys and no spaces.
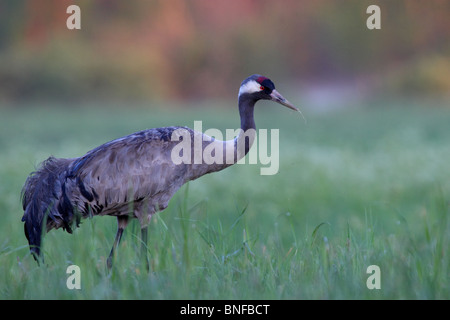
{"x":126,"y":170}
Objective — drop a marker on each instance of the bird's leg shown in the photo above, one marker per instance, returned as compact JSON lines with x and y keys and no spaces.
{"x":116,"y":243}
{"x":144,"y":251}
{"x":122,"y":222}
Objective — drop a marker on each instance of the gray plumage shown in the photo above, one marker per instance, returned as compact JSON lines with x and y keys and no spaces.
{"x":130,"y":177}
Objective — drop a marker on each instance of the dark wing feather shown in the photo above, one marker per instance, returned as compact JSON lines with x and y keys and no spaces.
{"x":129,"y":169}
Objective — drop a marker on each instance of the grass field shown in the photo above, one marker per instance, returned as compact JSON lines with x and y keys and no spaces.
{"x":356,"y":187}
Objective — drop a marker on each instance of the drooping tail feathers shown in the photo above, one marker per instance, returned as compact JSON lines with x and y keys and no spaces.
{"x":44,"y":201}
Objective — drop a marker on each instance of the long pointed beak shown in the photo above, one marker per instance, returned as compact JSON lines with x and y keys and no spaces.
{"x":277,"y":97}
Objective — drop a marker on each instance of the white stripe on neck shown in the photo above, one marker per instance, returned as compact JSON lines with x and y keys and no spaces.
{"x":250,"y":87}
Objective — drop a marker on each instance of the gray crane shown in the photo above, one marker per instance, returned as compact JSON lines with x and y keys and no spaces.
{"x":133,"y":176}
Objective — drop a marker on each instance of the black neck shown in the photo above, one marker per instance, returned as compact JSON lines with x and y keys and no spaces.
{"x":246,"y":108}
{"x":240,"y":145}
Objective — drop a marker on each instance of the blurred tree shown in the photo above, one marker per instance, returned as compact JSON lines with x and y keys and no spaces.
{"x":202,"y":48}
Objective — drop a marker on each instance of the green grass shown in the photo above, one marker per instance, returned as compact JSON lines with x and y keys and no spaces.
{"x":355,"y":188}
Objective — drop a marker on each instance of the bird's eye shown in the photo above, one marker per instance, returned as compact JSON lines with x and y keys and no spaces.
{"x":261,"y":88}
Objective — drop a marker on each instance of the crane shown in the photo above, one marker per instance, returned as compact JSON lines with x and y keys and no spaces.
{"x":130,"y":177}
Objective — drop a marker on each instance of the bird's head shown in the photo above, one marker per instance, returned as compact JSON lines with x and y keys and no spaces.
{"x":257,"y":87}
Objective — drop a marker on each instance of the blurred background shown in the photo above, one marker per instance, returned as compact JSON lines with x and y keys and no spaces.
{"x":178,"y":50}
{"x":365,"y":180}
